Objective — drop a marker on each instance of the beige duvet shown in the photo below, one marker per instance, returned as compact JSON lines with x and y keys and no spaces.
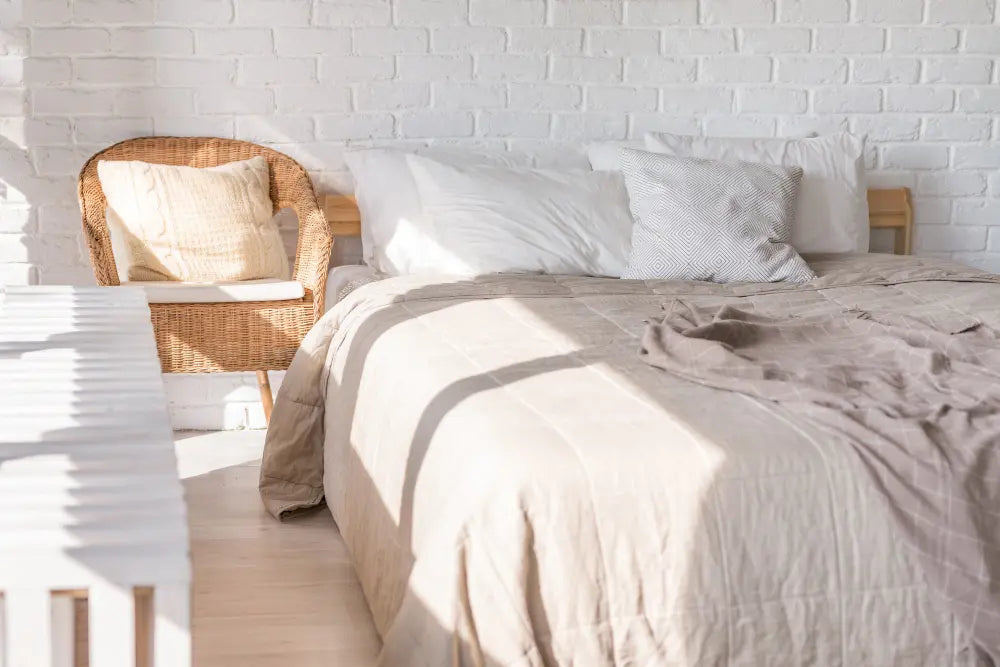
{"x":517,"y":488}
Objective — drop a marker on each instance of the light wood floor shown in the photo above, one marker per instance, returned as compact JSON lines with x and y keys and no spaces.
{"x":265,"y":593}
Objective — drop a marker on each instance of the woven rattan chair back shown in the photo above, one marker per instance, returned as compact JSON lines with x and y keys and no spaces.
{"x":290,"y":184}
{"x":213,"y":337}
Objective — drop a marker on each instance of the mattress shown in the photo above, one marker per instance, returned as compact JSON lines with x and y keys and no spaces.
{"x":342,"y":280}
{"x":517,"y":488}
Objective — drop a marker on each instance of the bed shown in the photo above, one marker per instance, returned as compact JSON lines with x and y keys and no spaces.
{"x":517,"y":487}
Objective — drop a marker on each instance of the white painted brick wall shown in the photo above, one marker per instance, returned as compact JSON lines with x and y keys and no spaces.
{"x":540,"y":77}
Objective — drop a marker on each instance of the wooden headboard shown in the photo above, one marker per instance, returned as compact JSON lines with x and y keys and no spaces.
{"x":893,"y":209}
{"x":887,"y":209}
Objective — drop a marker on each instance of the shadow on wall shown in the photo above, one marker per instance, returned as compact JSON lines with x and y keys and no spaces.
{"x":39,"y":242}
{"x":43,"y":144}
{"x":31,"y":252}
{"x":16,"y":216}
{"x":41,"y":239}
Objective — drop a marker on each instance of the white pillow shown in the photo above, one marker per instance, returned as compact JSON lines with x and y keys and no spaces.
{"x":387,"y":195}
{"x":606,"y":155}
{"x":832,"y":214}
{"x":482,"y":219}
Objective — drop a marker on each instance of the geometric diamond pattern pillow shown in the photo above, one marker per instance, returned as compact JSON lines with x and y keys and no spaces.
{"x":711,"y":220}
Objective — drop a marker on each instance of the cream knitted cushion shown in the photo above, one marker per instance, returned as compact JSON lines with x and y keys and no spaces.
{"x":197,"y":225}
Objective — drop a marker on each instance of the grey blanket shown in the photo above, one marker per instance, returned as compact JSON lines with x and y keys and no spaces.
{"x":918,"y":399}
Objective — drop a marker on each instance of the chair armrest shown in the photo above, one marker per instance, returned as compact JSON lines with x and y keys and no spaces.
{"x":95,"y":224}
{"x":312,"y":255}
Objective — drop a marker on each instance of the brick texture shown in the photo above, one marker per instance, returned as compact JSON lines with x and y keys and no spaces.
{"x":539,"y":77}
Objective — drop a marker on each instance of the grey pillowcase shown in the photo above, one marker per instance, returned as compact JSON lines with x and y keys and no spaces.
{"x":711,"y":220}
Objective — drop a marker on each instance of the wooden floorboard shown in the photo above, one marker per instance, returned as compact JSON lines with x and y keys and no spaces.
{"x":265,"y":594}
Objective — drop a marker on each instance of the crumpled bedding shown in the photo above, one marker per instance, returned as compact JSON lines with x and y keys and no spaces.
{"x":917,"y":398}
{"x":517,"y":487}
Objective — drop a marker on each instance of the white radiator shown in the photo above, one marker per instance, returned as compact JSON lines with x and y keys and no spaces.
{"x":91,"y":507}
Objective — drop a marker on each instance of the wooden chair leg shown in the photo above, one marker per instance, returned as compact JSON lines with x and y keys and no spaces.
{"x":266,"y":397}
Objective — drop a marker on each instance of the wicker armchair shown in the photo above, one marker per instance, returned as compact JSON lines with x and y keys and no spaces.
{"x":232,"y":336}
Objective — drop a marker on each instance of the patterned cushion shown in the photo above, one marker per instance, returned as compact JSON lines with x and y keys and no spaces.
{"x":710,"y":220}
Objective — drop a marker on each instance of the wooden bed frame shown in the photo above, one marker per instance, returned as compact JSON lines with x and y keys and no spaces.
{"x":887,"y":209}
{"x":893,"y":209}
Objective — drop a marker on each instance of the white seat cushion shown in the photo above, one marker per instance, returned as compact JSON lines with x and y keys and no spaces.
{"x":264,"y":289}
